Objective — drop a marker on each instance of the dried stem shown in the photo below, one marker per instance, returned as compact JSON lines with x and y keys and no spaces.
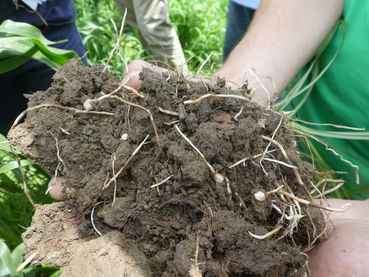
{"x":218,"y":178}
{"x":211,"y":168}
{"x":117,"y":44}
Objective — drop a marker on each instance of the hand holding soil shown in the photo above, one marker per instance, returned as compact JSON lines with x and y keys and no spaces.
{"x":195,"y":176}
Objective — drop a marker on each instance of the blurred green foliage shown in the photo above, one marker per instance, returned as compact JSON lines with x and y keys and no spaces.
{"x":200,"y":26}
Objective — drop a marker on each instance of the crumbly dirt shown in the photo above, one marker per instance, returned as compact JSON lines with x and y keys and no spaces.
{"x":190,"y":225}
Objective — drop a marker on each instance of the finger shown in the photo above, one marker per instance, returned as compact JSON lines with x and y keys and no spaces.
{"x":56,"y":186}
{"x":134,"y":69}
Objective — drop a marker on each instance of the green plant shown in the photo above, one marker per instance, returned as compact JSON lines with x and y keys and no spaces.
{"x":11,"y":264}
{"x":199,"y":27}
{"x":20,"y":42}
{"x":16,"y":209}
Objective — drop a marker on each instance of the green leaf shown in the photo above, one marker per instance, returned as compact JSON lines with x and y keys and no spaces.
{"x":13,"y":165}
{"x":10,"y":27}
{"x":8,"y":185}
{"x":13,"y":62}
{"x":331,"y":134}
{"x":22,"y":41}
{"x":17,"y":255}
{"x":354,"y":191}
{"x":6,"y":265}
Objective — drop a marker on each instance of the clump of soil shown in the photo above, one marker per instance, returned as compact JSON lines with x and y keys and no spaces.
{"x":182,"y":216}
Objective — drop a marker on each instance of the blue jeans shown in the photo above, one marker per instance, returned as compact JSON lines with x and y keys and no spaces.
{"x":238,"y":21}
{"x":33,"y":76}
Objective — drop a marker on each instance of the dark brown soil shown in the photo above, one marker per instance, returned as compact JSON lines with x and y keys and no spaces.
{"x":188,"y":226}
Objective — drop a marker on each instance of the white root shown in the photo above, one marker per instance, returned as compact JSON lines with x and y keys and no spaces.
{"x":269,"y":234}
{"x":161,"y":182}
{"x":309,"y":203}
{"x":297,"y":175}
{"x":250,"y":158}
{"x":279,"y":162}
{"x":92,"y":217}
{"x":211,"y":95}
{"x":168,"y":112}
{"x":26,"y":262}
{"x":238,"y":114}
{"x":107,"y":185}
{"x":218,"y":178}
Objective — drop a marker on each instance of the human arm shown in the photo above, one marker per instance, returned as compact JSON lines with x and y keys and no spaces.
{"x":282,"y":37}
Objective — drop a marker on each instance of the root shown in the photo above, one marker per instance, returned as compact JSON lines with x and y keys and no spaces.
{"x":210,"y":95}
{"x":276,"y":143}
{"x":270,"y":143}
{"x":58,"y":107}
{"x":267,"y":235}
{"x":161,"y":182}
{"x":309,"y":203}
{"x":61,"y":161}
{"x":250,"y":158}
{"x":92,"y":217}
{"x":107,"y":185}
{"x":115,"y":180}
{"x":142,"y":108}
{"x":168,"y":112}
{"x":217,"y":176}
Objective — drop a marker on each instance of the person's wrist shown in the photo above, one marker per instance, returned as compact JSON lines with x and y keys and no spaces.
{"x":262,"y":88}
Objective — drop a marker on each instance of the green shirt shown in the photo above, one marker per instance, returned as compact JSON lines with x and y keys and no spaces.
{"x":341,"y":96}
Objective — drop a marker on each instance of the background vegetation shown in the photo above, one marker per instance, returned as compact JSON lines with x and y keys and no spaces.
{"x":200,"y":25}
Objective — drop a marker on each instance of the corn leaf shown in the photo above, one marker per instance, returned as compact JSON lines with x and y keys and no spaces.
{"x":6,"y":264}
{"x":13,"y":165}
{"x":21,"y":41}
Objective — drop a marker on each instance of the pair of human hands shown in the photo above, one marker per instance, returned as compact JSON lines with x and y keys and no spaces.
{"x":346,"y":251}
